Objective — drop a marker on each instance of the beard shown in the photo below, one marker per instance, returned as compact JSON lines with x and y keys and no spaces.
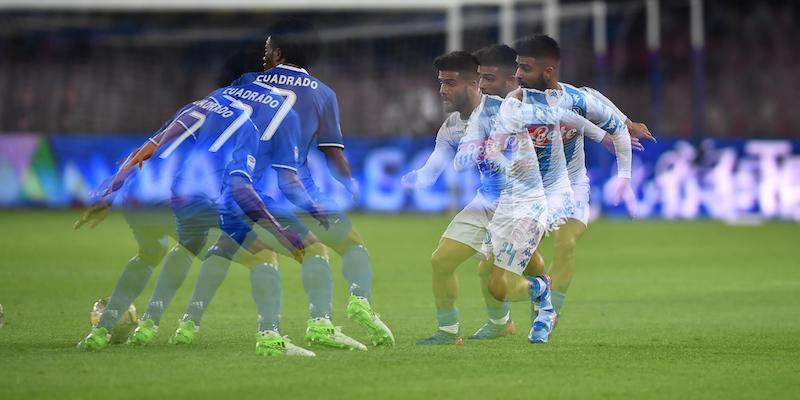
{"x":539,"y":83}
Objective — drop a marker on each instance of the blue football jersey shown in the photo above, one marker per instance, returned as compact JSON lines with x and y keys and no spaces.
{"x":235,"y":130}
{"x":315,"y":103}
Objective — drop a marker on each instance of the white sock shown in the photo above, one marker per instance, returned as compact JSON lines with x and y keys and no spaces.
{"x":450,"y":329}
{"x":501,"y":321}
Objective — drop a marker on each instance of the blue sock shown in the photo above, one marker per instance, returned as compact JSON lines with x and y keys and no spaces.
{"x":448,"y":319}
{"x":318,"y":283}
{"x":265,"y":283}
{"x":558,"y":299}
{"x":129,"y":285}
{"x":212,"y":273}
{"x":173,"y":273}
{"x":357,"y":270}
{"x":538,"y":285}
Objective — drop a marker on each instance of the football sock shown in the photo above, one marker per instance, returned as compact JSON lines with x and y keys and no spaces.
{"x":318,"y":284}
{"x":130,"y":284}
{"x":499,"y":312}
{"x":173,"y":273}
{"x":558,"y":299}
{"x":212,"y":273}
{"x":357,"y":270}
{"x":448,"y":320}
{"x":265,"y":283}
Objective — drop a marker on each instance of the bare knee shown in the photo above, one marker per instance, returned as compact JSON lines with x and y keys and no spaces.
{"x":442,"y":263}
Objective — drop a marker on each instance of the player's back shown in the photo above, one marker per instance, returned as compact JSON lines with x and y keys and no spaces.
{"x":228,"y":118}
{"x":314,"y":102}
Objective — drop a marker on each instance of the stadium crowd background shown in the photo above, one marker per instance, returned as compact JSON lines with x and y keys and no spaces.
{"x":107,"y":73}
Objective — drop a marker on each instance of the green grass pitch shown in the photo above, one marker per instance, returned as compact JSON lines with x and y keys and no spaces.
{"x":657,"y":310}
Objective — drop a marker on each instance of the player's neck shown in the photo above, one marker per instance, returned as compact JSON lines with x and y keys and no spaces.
{"x":553,"y":85}
{"x":473,"y":103}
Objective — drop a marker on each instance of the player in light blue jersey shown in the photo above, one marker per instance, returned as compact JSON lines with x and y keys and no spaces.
{"x":288,"y":49}
{"x":538,"y":60}
{"x":217,"y":138}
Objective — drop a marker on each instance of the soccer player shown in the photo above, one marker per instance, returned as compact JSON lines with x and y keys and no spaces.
{"x":538,"y":59}
{"x":287,"y":51}
{"x":458,"y":76}
{"x":207,"y":132}
{"x":525,"y":146}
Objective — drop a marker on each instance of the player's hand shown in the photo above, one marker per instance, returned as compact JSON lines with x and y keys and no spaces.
{"x":623,"y":192}
{"x":321,"y":217}
{"x":96,"y":214}
{"x":636,"y":144}
{"x":292,"y":242}
{"x":355,"y":190}
{"x":640,"y":131}
{"x":409,"y":180}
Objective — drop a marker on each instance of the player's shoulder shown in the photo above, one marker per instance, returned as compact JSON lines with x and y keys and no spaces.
{"x":452,"y":121}
{"x":572,"y":89}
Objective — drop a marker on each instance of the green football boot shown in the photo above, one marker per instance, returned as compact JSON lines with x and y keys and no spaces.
{"x":320,"y":331}
{"x":359,"y":310}
{"x":271,"y":343}
{"x":97,"y":340}
{"x":144,"y":333}
{"x":185,"y":333}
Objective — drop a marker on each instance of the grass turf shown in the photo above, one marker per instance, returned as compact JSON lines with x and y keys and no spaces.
{"x":657,"y":310}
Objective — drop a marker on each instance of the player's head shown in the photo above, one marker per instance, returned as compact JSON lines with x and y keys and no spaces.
{"x":498,"y":64}
{"x":537,"y":61}
{"x":458,"y":79}
{"x":290,"y":42}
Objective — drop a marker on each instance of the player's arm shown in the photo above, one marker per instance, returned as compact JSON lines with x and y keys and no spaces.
{"x":510,"y":123}
{"x":471,"y":147}
{"x":330,"y":142}
{"x":623,"y":191}
{"x":282,"y":149}
{"x":637,"y":130}
{"x":240,"y":181}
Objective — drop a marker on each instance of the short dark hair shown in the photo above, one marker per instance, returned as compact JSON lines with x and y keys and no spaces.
{"x":459,"y":61}
{"x":538,"y":46}
{"x":497,"y":55}
{"x":297,"y":39}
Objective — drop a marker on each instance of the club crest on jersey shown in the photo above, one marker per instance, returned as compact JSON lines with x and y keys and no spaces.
{"x":251,"y":162}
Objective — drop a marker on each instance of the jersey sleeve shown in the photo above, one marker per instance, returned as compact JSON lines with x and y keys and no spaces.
{"x":284,"y":144}
{"x":329,"y":133}
{"x":243,"y":160}
{"x":603,"y":99}
{"x":437,"y":162}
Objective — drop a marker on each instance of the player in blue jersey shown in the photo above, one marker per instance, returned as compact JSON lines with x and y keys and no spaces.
{"x":206,"y":133}
{"x":287,"y":50}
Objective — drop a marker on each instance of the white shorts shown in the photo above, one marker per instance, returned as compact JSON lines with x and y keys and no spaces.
{"x":560,"y":207}
{"x":469,"y":225}
{"x":582,"y":210}
{"x":514,"y":233}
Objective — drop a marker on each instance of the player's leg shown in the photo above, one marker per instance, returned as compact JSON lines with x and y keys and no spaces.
{"x":500,"y":323}
{"x":265,"y":285}
{"x":563,"y":268}
{"x":356,"y":268}
{"x":152,"y":241}
{"x":193,"y":224}
{"x":449,"y":254}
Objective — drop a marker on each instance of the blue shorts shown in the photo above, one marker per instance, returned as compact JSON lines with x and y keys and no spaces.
{"x":238,"y":226}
